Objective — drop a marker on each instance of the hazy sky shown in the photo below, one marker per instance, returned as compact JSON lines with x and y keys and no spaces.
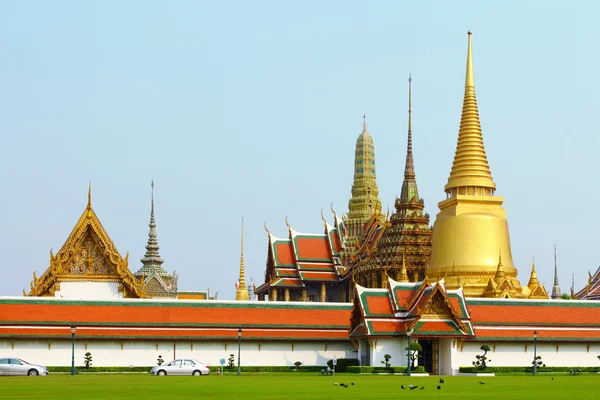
{"x":252,"y":108}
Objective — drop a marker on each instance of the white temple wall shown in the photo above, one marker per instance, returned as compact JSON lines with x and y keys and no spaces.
{"x":89,"y":290}
{"x":145,"y":353}
{"x":447,"y":357}
{"x":511,"y":354}
{"x":394,"y":347}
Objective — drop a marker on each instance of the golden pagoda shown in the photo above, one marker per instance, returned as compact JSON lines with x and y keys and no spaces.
{"x":242,"y":292}
{"x":471,"y":225}
{"x":88,"y":265}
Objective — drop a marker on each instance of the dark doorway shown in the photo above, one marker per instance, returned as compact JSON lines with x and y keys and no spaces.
{"x":430,"y":359}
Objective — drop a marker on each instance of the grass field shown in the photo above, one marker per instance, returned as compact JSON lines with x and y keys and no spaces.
{"x":295,"y":386}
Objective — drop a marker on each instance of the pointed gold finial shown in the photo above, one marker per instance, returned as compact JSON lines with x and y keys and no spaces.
{"x":323,"y":218}
{"x":403,"y":272}
{"x":242,"y":292}
{"x":364,"y":122}
{"x":89,"y":204}
{"x":500,"y":271}
{"x":266,"y":229}
{"x":533,"y":280}
{"x":331,"y":208}
{"x":470,"y":168}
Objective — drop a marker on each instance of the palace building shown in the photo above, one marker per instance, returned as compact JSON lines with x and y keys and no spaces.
{"x":365,"y":287}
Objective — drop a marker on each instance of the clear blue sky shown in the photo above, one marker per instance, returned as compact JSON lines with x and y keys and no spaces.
{"x":252,"y":109}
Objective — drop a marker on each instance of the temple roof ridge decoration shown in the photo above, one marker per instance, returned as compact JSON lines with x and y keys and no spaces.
{"x":88,"y":254}
{"x":591,"y":291}
{"x":470,"y":167}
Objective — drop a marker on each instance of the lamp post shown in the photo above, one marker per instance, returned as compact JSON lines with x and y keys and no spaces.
{"x":73,"y":329}
{"x":408,"y":361}
{"x":535,"y":336}
{"x":239,"y":351}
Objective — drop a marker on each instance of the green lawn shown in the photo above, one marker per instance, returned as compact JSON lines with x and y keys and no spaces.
{"x":295,"y":386}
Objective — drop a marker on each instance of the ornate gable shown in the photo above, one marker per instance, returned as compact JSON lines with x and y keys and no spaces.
{"x":87,"y":255}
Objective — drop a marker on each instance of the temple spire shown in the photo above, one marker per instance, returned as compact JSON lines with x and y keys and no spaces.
{"x":533,"y":280}
{"x":500,"y":270}
{"x":409,"y":185}
{"x":403,"y":272}
{"x":470,"y":168}
{"x":242,"y":292}
{"x":152,"y":262}
{"x":556,"y":288}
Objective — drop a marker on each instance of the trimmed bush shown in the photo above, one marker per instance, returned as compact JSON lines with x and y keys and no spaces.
{"x":363,"y":369}
{"x":251,"y":368}
{"x":529,"y":370}
{"x":343,"y":364}
{"x":102,"y":369}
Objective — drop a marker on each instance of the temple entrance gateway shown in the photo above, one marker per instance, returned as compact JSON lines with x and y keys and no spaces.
{"x":431,"y":355}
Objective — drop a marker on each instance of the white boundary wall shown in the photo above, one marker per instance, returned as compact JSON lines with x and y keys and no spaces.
{"x":145,"y":353}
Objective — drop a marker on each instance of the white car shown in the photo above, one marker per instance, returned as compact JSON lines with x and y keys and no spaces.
{"x":182,"y":366}
{"x":16,"y":366}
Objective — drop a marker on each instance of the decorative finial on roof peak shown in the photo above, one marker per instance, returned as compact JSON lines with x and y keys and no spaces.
{"x":89,"y":204}
{"x":266,"y":229}
{"x":152,"y":208}
{"x":364,"y":122}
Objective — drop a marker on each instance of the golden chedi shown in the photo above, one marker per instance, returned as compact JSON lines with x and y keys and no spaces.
{"x":471,"y":225}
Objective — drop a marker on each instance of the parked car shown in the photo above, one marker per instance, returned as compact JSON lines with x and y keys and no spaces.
{"x":183,"y":366}
{"x":16,"y":366}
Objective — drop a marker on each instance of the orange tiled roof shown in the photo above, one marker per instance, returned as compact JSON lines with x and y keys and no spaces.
{"x":201,"y":320}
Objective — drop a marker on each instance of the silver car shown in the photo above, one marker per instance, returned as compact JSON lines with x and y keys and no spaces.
{"x":16,"y":366}
{"x":182,"y":366}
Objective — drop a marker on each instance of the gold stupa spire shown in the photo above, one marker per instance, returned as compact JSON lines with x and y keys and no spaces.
{"x":89,"y":204}
{"x":403,"y":273}
{"x":470,"y":168}
{"x":242,"y":292}
{"x":533,"y":280}
{"x":500,"y":271}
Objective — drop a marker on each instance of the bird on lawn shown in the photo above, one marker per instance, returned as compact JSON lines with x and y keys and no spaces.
{"x":441,"y":380}
{"x":422,"y":388}
{"x":412,"y":387}
{"x":403,"y":387}
{"x":335,"y":383}
{"x":482,"y":383}
{"x":344,"y":385}
{"x":352,"y":383}
{"x":439,"y":387}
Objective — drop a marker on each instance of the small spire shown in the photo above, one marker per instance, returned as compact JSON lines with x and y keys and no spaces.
{"x":556,"y":294}
{"x":403,"y":273}
{"x":89,"y":204}
{"x":409,"y":167}
{"x":470,"y":167}
{"x":242,"y":291}
{"x":533,"y":280}
{"x":500,"y":271}
{"x":364,"y":125}
{"x":152,"y":210}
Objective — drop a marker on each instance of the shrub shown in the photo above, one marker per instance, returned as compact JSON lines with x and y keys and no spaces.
{"x":343,"y":364}
{"x":537,"y":362}
{"x":87,"y":360}
{"x":231,"y":361}
{"x":526,"y":369}
{"x":159,"y":360}
{"x":297,"y":364}
{"x":413,"y":352}
{"x":386,"y":360}
{"x":481,"y":360}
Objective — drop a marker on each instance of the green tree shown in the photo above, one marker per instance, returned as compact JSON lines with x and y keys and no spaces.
{"x":87,"y":360}
{"x":159,"y":361}
{"x":231,"y":361}
{"x":482,"y":360}
{"x":538,"y":362}
{"x":298,"y":364}
{"x":413,"y":352}
{"x":386,"y":361}
{"x":565,"y":296}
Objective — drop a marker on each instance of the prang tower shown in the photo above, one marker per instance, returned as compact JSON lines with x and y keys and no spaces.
{"x":471,"y":227}
{"x":365,"y":197}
